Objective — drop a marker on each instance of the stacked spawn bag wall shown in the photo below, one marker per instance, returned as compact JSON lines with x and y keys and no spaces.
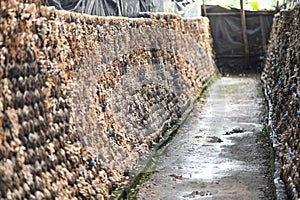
{"x":84,"y":97}
{"x":283,"y":85}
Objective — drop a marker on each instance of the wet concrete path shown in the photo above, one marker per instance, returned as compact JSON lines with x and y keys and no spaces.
{"x":218,"y":152}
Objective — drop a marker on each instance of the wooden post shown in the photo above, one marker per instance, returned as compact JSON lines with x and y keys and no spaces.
{"x":245,"y":38}
{"x":204,"y":9}
{"x":277,"y":6}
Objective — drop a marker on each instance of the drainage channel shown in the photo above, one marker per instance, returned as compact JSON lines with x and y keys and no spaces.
{"x":281,"y":193}
{"x":220,"y":152}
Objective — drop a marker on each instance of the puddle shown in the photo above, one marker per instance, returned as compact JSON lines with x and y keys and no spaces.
{"x":208,"y":172}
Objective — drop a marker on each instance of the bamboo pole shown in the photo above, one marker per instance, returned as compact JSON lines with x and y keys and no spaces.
{"x":245,"y":38}
{"x":263,"y":33}
{"x":204,"y":9}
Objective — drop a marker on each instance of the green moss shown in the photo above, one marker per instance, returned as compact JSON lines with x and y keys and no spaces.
{"x":143,"y":177}
{"x":207,"y":85}
{"x":265,"y":139}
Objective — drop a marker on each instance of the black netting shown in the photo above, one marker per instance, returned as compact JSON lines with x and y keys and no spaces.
{"x":227,"y":34}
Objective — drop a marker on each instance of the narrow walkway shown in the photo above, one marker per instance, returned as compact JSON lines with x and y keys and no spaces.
{"x":219,"y":152}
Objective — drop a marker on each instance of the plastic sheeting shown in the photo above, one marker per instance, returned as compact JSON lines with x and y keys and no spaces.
{"x":290,"y":4}
{"x":185,"y":8}
{"x":228,"y":40}
{"x":128,"y":8}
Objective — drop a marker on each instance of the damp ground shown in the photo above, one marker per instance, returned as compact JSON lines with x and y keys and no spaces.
{"x":220,"y":152}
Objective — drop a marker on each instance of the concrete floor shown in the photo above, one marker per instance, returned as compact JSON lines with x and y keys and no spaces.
{"x":219,"y":152}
